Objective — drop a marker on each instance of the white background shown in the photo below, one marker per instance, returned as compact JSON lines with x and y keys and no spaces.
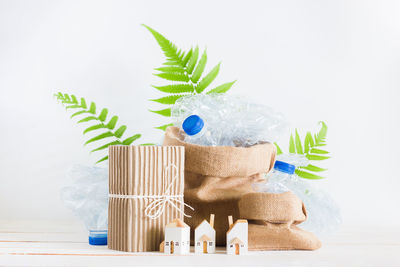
{"x":336,"y":61}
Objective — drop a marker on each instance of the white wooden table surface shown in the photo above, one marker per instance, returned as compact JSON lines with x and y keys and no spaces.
{"x":55,"y":244}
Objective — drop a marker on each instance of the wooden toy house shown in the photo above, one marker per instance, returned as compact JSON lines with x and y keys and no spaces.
{"x":237,"y":237}
{"x":204,"y":237}
{"x":177,"y":238}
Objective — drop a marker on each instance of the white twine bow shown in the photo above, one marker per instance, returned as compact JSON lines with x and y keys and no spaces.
{"x":157,"y":207}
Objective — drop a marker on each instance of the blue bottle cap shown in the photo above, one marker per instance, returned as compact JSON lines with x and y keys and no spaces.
{"x":284,"y":167}
{"x":98,"y":239}
{"x":192,"y":125}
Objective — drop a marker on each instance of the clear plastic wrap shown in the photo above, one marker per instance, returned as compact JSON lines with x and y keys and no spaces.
{"x":229,"y":120}
{"x":87,"y":196}
{"x":323,"y":213}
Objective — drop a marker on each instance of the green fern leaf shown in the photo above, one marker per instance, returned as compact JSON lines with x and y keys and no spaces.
{"x":168,"y":100}
{"x":103,"y":114}
{"x":278,"y":149}
{"x":83,"y":103}
{"x":223,"y":88}
{"x":99,"y":137}
{"x":169,"y":49}
{"x":176,"y":88}
{"x":74,"y":100}
{"x":318,"y":151}
{"x":164,"y":112}
{"x":292,"y":148}
{"x":308,"y":142}
{"x":113,"y":143}
{"x":299,"y":148}
{"x":185,"y":60}
{"x":193,"y":60}
{"x":198,"y":71}
{"x":319,"y":145}
{"x":102,"y":159}
{"x":130,"y":140}
{"x":172,"y":63}
{"x":94,"y":127}
{"x":185,"y":68}
{"x":173,"y":76}
{"x":313,"y":168}
{"x":79,"y":113}
{"x":316,"y":157}
{"x":111,"y":124}
{"x":73,"y":106}
{"x":172,"y":69}
{"x":209,"y":78}
{"x":68,"y":100}
{"x":164,"y":127}
{"x":307,"y":175}
{"x":120,"y":131}
{"x":89,"y":118}
{"x":321,"y":135}
{"x":92,"y":108}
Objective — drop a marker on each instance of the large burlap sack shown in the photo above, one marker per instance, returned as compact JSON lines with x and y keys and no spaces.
{"x":272,"y":222}
{"x":217,"y":177}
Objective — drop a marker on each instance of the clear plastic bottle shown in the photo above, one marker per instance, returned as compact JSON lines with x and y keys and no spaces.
{"x":86,"y":193}
{"x":323,"y":214}
{"x":196,"y":132}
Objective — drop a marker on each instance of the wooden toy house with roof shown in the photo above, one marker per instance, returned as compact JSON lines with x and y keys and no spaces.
{"x":204,"y":237}
{"x":237,"y":237}
{"x":177,"y":238}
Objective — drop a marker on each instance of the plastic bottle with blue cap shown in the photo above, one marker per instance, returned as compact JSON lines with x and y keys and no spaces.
{"x":277,"y":179}
{"x":196,"y":131}
{"x":323,"y":212}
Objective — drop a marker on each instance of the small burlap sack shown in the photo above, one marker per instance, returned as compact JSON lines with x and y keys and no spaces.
{"x":217,"y":177}
{"x":272,"y":222}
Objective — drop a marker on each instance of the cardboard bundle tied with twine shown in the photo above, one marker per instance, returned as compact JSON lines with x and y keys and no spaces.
{"x":217,"y":177}
{"x":145,"y":193}
{"x":273,"y":220}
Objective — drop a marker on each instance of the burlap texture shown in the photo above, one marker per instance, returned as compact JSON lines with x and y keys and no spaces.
{"x":272,"y":222}
{"x":217,"y":177}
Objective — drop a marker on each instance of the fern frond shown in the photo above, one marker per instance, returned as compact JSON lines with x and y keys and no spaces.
{"x":299,"y":147}
{"x":176,"y":88}
{"x":173,"y":76}
{"x":209,"y":78}
{"x":89,"y":118}
{"x":292,"y":148}
{"x":109,"y":126}
{"x":170,"y":50}
{"x":193,"y":60}
{"x":102,"y":159}
{"x":313,"y":168}
{"x":164,"y":112}
{"x":172,"y":69}
{"x":223,"y":88}
{"x":199,"y":68}
{"x":311,"y":152}
{"x":186,"y":68}
{"x":168,"y":100}
{"x":187,"y":57}
{"x":321,"y":135}
{"x":278,"y":149}
{"x":94,"y":127}
{"x":164,"y":127}
{"x":130,"y":140}
{"x":308,"y":175}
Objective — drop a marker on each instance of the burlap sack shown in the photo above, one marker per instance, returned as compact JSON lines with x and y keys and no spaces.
{"x":217,"y":177}
{"x":272,"y":222}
